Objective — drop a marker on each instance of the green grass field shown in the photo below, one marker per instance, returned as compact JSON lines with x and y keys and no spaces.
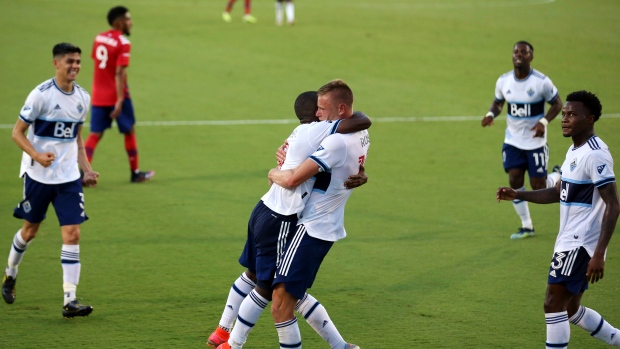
{"x":427,"y":262}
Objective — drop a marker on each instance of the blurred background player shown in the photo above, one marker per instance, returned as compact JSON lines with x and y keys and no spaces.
{"x":289,"y":7}
{"x":247,"y":17}
{"x":525,"y":144}
{"x":111,"y":99}
{"x":52,"y":149}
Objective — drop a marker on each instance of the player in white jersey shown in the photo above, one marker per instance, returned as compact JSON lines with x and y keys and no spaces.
{"x":322,"y":220}
{"x":589,"y":210}
{"x":52,"y":117}
{"x":525,"y":145}
{"x":271,"y":222}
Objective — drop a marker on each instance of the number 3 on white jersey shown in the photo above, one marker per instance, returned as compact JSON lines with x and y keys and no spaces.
{"x":101,"y":53}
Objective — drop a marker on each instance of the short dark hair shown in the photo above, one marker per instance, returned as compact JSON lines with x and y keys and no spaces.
{"x":525,"y":43}
{"x":341,"y":90}
{"x":306,"y":105}
{"x":589,"y":100}
{"x":116,"y":13}
{"x":63,"y":48}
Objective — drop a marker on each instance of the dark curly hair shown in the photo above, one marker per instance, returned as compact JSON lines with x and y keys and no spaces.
{"x":589,"y":100}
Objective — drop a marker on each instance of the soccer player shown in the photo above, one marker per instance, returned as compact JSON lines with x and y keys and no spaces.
{"x":287,"y":5}
{"x":525,"y":145}
{"x":271,"y":222}
{"x":49,"y":132}
{"x":111,"y":99}
{"x":322,"y":220}
{"x":589,"y":210}
{"x":247,"y":17}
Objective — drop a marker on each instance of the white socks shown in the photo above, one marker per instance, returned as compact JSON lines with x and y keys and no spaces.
{"x":18,"y":248}
{"x":238,"y":291}
{"x":558,"y":330}
{"x":250,"y":310}
{"x":594,"y":323}
{"x":289,"y":335}
{"x":70,"y":260}
{"x":279,"y":13}
{"x":317,"y":317}
{"x":290,"y":12}
{"x":523,"y":211}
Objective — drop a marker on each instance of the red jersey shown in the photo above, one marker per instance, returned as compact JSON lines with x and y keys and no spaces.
{"x":110,"y":50}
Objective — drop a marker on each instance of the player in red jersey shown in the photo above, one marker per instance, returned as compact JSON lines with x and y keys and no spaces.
{"x":110,"y":95}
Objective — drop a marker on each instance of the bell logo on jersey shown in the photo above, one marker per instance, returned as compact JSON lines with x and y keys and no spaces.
{"x":60,"y":131}
{"x":564,"y":192}
{"x":520,"y":110}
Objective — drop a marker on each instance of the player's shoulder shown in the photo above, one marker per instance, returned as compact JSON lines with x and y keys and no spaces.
{"x":507,"y":74}
{"x":537,"y":74}
{"x":124,"y":40}
{"x":80,"y":89}
{"x":45,"y":85}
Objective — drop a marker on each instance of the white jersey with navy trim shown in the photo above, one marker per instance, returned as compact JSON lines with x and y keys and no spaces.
{"x":54,"y":117}
{"x":585,"y":169}
{"x":338,"y":157}
{"x":304,"y":141}
{"x":526,"y":105}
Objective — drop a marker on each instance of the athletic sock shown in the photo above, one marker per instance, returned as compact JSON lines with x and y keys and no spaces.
{"x":279,"y":13}
{"x":70,"y":260}
{"x":594,"y":323}
{"x":131,"y":146}
{"x":523,"y":211}
{"x":317,"y":317}
{"x":290,"y":12}
{"x":249,"y":312}
{"x":552,"y":179}
{"x":230,"y":5}
{"x":288,"y":334}
{"x":238,"y":291}
{"x":90,"y":145}
{"x":18,"y":248}
{"x":558,"y":330}
{"x":247,"y":7}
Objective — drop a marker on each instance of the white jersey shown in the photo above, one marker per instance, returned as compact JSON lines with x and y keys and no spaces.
{"x":54,"y":117}
{"x":304,"y":141}
{"x":339,"y":157}
{"x":586,"y":168}
{"x":526,"y":105}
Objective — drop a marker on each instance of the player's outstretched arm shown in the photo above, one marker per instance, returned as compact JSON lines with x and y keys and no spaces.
{"x":596,"y":266}
{"x":291,"y":179}
{"x":494,"y":110}
{"x":554,"y":110}
{"x":19,"y":137}
{"x":357,"y":180}
{"x":542,"y":196}
{"x":357,"y":122}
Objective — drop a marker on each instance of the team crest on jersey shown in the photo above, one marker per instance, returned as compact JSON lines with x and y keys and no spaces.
{"x":600,"y":169}
{"x":530,"y":92}
{"x":26,"y":108}
{"x":573,"y":164}
{"x":79,"y":107}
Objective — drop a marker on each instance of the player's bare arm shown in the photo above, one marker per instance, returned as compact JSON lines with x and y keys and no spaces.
{"x":119,"y":78}
{"x":357,"y":180}
{"x":357,"y":122}
{"x":554,"y":110}
{"x":609,"y":195}
{"x":292,"y":178}
{"x":19,"y":137}
{"x":542,"y":196}
{"x":494,"y":110}
{"x":90,"y":177}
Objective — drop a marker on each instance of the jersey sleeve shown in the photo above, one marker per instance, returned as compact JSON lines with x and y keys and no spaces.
{"x":32,"y":107}
{"x":124,"y":52}
{"x":600,"y":168}
{"x":550,"y":92}
{"x":499,"y":95}
{"x":319,"y":130}
{"x":331,"y":153}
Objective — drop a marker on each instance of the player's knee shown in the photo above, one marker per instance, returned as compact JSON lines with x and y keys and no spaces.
{"x":71,"y":235}
{"x":264,"y":289}
{"x":29,"y":231}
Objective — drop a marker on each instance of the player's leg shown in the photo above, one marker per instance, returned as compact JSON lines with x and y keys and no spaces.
{"x":126,"y":121}
{"x":317,"y":317}
{"x":21,"y":240}
{"x":284,"y":318}
{"x":99,"y":122}
{"x":290,"y":12}
{"x":279,"y":12}
{"x":593,"y":322}
{"x":69,"y":206}
{"x":515,"y":164}
{"x":248,"y":18}
{"x":556,"y":316}
{"x":226,"y":15}
{"x":250,"y":311}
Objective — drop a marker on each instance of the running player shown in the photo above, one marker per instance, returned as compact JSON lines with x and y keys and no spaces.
{"x":525,"y":145}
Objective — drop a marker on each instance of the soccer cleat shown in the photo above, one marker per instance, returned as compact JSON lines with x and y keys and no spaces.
{"x":8,"y":289}
{"x":224,"y":345}
{"x":74,"y":308}
{"x":351,"y":346}
{"x":226,"y":17}
{"x":217,"y":338}
{"x":142,"y":176}
{"x":249,"y":18}
{"x":522,"y":234}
